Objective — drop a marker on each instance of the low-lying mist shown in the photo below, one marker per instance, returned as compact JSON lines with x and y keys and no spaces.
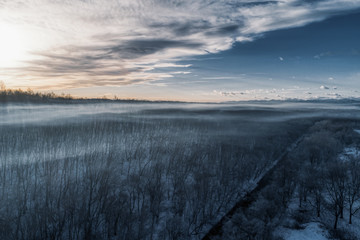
{"x":38,"y":114}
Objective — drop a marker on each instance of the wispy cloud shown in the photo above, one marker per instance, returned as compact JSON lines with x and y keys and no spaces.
{"x":105,"y":43}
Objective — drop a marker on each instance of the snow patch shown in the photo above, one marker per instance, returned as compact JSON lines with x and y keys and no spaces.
{"x":348,"y":153}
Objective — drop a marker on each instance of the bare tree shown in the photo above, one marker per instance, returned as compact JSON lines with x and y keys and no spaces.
{"x":315,"y":187}
{"x":335,"y":182}
{"x":353,"y":187}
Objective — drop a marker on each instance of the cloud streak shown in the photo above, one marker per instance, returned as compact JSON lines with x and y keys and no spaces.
{"x":111,"y":43}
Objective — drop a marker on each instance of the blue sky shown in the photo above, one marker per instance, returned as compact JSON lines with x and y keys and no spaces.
{"x":183,"y":50}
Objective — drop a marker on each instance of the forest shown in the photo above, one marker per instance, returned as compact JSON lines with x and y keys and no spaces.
{"x":174,"y":170}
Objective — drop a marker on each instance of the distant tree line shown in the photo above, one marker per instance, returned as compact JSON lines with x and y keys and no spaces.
{"x":29,"y":96}
{"x":19,"y":95}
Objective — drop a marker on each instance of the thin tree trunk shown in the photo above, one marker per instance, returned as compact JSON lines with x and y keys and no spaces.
{"x":350,"y":214}
{"x":336,"y":218}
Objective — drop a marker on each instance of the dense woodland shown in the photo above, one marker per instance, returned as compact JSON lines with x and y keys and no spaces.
{"x":165,"y":175}
{"x":130,"y":178}
{"x":323,"y":187}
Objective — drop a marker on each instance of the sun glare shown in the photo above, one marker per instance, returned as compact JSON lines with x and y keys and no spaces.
{"x":12,"y":46}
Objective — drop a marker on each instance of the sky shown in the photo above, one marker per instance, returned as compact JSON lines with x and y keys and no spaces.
{"x":200,"y":50}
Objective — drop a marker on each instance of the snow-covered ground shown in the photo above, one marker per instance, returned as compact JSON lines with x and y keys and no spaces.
{"x":311,"y":231}
{"x":350,"y":152}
